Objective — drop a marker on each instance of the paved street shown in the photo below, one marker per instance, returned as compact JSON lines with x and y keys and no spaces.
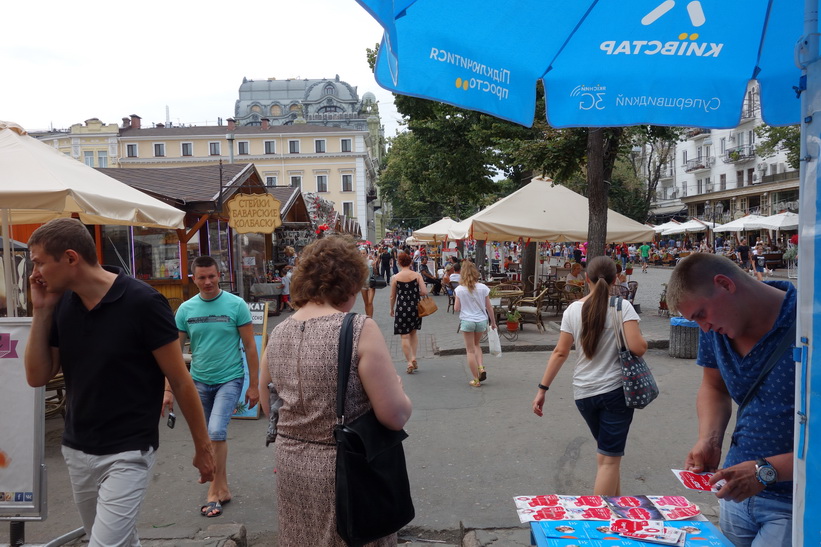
{"x":469,"y":452}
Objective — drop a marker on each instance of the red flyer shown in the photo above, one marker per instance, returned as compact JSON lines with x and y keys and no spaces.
{"x":697,"y":481}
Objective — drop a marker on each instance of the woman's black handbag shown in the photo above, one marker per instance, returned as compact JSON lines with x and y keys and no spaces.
{"x":372,"y":488}
{"x":377,"y":282}
{"x":640,"y":388}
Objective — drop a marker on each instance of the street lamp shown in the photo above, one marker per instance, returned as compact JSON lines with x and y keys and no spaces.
{"x":717,"y":211}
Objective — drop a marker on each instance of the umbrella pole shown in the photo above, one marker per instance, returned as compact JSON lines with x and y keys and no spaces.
{"x":8,"y":267}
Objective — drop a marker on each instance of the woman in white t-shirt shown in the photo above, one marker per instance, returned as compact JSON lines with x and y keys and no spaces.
{"x":474,"y":307}
{"x":597,"y":382}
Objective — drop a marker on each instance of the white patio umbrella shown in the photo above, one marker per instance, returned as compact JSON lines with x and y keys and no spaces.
{"x":666,"y":226}
{"x":740,"y":224}
{"x":39,"y":183}
{"x":780,"y":221}
{"x":436,"y":231}
{"x":692,"y":225}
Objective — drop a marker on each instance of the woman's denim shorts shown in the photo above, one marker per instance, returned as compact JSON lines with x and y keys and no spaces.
{"x":608,"y":418}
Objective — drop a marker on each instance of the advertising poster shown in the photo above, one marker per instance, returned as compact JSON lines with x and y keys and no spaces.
{"x":21,"y":434}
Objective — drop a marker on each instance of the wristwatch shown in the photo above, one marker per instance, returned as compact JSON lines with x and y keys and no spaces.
{"x":765,"y":472}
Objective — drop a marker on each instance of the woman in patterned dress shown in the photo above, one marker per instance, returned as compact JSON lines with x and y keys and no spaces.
{"x":302,"y":360}
{"x":406,"y":288}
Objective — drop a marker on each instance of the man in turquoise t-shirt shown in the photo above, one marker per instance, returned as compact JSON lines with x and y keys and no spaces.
{"x":216,"y":322}
{"x":644,"y":252}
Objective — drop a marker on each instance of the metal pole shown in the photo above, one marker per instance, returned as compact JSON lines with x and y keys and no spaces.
{"x":9,"y":266}
{"x":17,"y":533}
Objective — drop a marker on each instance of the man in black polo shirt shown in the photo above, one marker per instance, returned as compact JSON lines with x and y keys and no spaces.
{"x":116,"y":341}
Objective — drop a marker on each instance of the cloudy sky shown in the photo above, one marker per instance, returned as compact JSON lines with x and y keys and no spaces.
{"x":65,"y":62}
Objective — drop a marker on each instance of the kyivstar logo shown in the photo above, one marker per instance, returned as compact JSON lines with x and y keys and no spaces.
{"x":687,"y":43}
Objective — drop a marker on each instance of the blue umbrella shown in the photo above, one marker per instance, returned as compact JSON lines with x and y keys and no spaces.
{"x":604,"y":63}
{"x":608,"y":63}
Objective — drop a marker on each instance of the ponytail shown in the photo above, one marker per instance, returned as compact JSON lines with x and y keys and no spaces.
{"x":601,"y":271}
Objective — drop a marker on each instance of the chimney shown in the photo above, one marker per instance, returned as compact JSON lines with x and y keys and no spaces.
{"x":265,"y":124}
{"x":135,"y":121}
{"x":126,"y":123}
{"x":232,"y":124}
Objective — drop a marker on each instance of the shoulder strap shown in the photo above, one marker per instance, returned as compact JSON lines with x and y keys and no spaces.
{"x":787,"y":339}
{"x":618,"y":323}
{"x":344,"y":364}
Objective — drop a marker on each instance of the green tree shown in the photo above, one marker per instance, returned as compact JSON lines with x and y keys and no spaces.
{"x":771,"y":140}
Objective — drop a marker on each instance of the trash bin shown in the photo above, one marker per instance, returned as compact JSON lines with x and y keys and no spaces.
{"x":683,"y":338}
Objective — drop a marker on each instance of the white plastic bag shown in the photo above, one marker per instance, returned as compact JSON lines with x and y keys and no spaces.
{"x":493,"y":342}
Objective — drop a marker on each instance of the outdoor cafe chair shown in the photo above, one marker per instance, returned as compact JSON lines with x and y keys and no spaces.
{"x":530,"y":308}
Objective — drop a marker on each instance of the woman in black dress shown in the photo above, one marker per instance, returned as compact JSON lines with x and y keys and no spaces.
{"x":407,"y":287}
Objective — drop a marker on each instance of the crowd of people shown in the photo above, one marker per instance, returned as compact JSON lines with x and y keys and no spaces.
{"x":137,"y":373}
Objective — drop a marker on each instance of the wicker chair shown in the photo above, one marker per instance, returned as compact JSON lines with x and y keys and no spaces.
{"x":530,"y":308}
{"x":633,"y":286}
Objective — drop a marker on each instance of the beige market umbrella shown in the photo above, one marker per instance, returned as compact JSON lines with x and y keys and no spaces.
{"x":541,"y":211}
{"x":38,"y":183}
{"x":436,"y":231}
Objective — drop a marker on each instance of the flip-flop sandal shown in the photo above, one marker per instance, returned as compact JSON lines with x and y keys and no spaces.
{"x":415,"y":366}
{"x":410,"y":369}
{"x":475,"y":383}
{"x":482,"y":374}
{"x":211,"y":509}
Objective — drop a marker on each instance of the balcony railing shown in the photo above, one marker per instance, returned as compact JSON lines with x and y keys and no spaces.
{"x":739,"y":154}
{"x":789,"y":175}
{"x":697,"y":132}
{"x":698,"y":164}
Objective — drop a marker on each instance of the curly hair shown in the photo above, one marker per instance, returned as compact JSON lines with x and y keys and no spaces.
{"x":403,"y":259}
{"x":602,"y":272}
{"x":330,"y":271}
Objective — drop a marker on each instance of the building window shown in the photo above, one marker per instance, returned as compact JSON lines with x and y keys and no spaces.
{"x":739,"y":179}
{"x":131,"y":150}
{"x":214,"y":148}
{"x":347,"y":183}
{"x":319,"y":146}
{"x":293,"y":147}
{"x":270,"y":147}
{"x":159,"y":150}
{"x":270,"y":181}
{"x":88,"y":158}
{"x":722,"y":182}
{"x":296,"y":181}
{"x":187,"y":149}
{"x":346,"y":145}
{"x":699,"y":187}
{"x":276,"y":110}
{"x":347,"y":209}
{"x":329,"y":89}
{"x":684,"y":158}
{"x":102,"y":159}
{"x":322,"y":183}
{"x":723,"y":144}
{"x":243,"y":147}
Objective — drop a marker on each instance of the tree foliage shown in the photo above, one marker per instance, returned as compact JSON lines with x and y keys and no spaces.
{"x":774,"y":139}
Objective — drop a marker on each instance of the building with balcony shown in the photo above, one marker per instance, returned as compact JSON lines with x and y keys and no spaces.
{"x":718,"y":176}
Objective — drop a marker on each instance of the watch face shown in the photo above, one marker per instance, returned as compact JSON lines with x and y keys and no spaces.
{"x":766,"y":474}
